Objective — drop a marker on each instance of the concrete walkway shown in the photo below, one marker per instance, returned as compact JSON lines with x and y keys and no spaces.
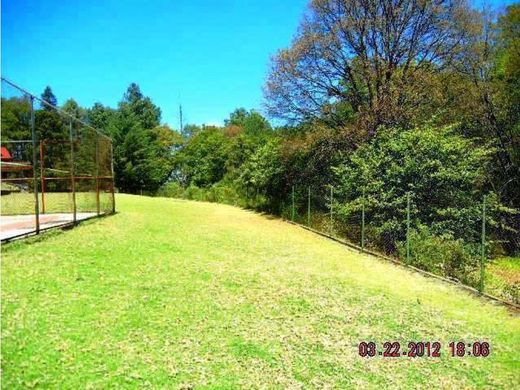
{"x":17,"y":225}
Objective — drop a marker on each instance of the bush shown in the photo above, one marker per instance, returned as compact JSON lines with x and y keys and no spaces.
{"x":442,"y":255}
{"x":195,"y":193}
{"x":171,"y":190}
{"x":221,"y":192}
{"x":445,"y":174}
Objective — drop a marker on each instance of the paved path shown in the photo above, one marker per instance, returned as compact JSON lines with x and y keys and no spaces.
{"x":16,"y":225}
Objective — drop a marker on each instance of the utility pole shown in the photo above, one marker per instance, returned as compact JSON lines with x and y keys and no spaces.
{"x":180,"y":118}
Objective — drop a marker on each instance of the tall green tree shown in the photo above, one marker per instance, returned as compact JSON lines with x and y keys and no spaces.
{"x":252,"y":122}
{"x":142,"y":148}
{"x":142,"y":107}
{"x":72,"y":108}
{"x":202,"y":160}
{"x":49,"y":97}
{"x":16,"y":119}
{"x":99,"y":117}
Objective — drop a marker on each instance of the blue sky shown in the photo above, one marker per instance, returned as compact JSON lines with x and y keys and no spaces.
{"x":211,"y":56}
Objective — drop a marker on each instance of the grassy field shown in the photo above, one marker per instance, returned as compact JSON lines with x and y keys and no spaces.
{"x":22,"y":203}
{"x":503,"y":278}
{"x":172,"y":293}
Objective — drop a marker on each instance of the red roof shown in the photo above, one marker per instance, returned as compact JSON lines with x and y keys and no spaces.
{"x":6,"y":156}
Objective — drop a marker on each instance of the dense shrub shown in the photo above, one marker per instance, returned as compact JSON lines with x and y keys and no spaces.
{"x":263,"y":173}
{"x":442,"y":255}
{"x":444,"y":173}
{"x":221,"y":193}
{"x":171,"y":190}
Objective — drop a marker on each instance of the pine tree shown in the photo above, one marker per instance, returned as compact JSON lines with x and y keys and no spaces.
{"x":49,"y":97}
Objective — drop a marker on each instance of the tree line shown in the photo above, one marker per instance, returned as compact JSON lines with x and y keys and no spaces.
{"x":378,"y":98}
{"x":381,"y":99}
{"x":142,"y":146}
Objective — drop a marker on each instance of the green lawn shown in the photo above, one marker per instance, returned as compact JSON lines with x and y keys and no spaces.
{"x":503,"y":278}
{"x":17,"y":203}
{"x":171,"y":293}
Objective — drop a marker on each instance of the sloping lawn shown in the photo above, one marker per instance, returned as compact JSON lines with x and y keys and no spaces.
{"x":171,"y":293}
{"x":503,"y":278}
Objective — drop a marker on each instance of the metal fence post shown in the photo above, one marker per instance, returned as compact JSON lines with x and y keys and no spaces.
{"x":331,"y":201}
{"x":309,"y":207}
{"x":292,"y":213}
{"x":72,"y":176}
{"x":35,"y":178}
{"x":42,"y":174}
{"x":113,"y":178}
{"x":483,"y":247}
{"x":97,"y":175}
{"x":363,"y":221}
{"x":408,"y":228}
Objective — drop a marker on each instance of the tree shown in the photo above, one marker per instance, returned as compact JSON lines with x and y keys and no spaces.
{"x":264,"y":172}
{"x":50,"y":125}
{"x":484,"y":100}
{"x":16,"y":119}
{"x":249,"y":129}
{"x":147,"y":113}
{"x":367,"y":57}
{"x":202,"y":160}
{"x":48,"y":97}
{"x":508,"y":93}
{"x":237,"y":117}
{"x":142,"y":148}
{"x":100,"y":116}
{"x":251,"y":121}
{"x":72,"y":108}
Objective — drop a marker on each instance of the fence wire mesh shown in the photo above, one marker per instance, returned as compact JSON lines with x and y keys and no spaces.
{"x":401,"y":228}
{"x":55,"y":168}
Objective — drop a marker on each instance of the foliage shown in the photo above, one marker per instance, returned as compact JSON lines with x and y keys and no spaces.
{"x":72,"y":108}
{"x":503,"y":278}
{"x":368,"y":58}
{"x":49,"y":98}
{"x":263,"y":171}
{"x":203,"y":158}
{"x":50,"y":125}
{"x":171,"y":189}
{"x":189,"y":130}
{"x":134,"y":102}
{"x":443,"y":255}
{"x":444,"y":172}
{"x":389,"y":97}
{"x":252,"y":122}
{"x":354,"y":66}
{"x":99,"y":116}
{"x":143,"y":159}
{"x":16,"y":119}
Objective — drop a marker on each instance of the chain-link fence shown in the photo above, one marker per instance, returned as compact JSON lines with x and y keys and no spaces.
{"x":55,"y":168}
{"x":468,"y":246}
